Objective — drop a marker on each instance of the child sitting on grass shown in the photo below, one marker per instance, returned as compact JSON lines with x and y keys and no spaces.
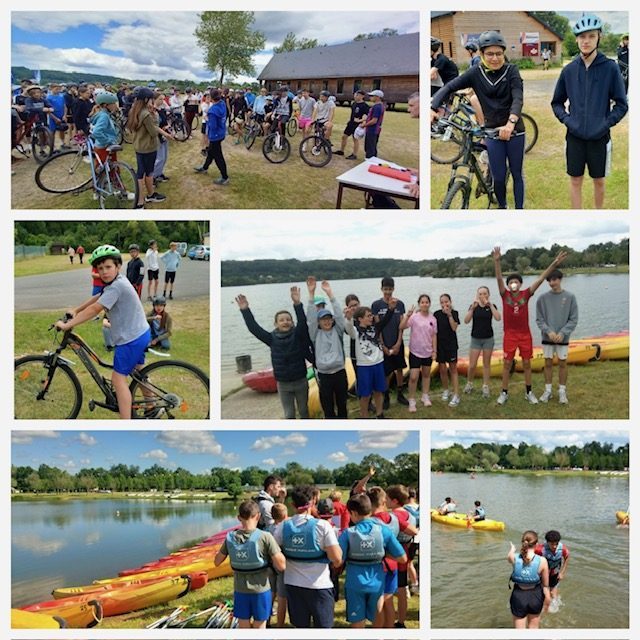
{"x":160,"y":324}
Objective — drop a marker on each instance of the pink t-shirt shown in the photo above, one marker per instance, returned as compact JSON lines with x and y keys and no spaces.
{"x":423,"y":328}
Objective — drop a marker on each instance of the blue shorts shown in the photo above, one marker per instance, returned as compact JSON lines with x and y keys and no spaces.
{"x":128,"y":355}
{"x":361,"y":605}
{"x":371,"y":379}
{"x":390,"y":582}
{"x":256,"y":606}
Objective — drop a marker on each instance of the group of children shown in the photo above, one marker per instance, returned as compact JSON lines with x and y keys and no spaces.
{"x":296,"y":560}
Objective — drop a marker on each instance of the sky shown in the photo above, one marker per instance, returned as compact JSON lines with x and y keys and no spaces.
{"x":548,"y":440}
{"x":199,"y":451}
{"x":339,"y":236}
{"x":160,"y":45}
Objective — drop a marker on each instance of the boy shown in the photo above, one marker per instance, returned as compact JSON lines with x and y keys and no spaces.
{"x":556,"y":317}
{"x":129,"y":328}
{"x":160,"y":324}
{"x":478,"y":513}
{"x":515,"y":313}
{"x":153,"y":270}
{"x":448,"y":506}
{"x":171,"y":261}
{"x":326,"y":511}
{"x":359,"y":111}
{"x":364,"y":547}
{"x":557,"y":556}
{"x":250,"y":552}
{"x":591,"y":82}
{"x":135,"y":269}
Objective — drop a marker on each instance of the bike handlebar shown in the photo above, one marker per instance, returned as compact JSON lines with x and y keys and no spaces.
{"x":474,"y":130}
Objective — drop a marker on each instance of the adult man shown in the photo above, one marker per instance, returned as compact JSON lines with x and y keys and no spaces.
{"x":590,"y":83}
{"x":623,"y":60}
{"x":443,"y":69}
{"x":359,"y":110}
{"x":272,"y":486}
{"x":556,"y":317}
{"x":323,"y":113}
{"x":546,"y":57}
{"x":373,"y":124}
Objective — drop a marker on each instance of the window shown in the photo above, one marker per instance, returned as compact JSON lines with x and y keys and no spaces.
{"x":377,"y":82}
{"x":340,"y":87}
{"x":325,"y":85}
{"x":357,"y":84}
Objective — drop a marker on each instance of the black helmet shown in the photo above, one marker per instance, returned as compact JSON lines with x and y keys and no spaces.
{"x":491,"y":39}
{"x":144,"y":93}
{"x":471,"y":46}
{"x":188,"y":90}
{"x":435,"y":43}
{"x":160,"y":300}
{"x":133,"y":247}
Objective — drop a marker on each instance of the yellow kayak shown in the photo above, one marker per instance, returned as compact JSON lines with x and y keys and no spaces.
{"x":579,"y":353}
{"x":613,"y":346}
{"x":461,"y":521}
{"x":26,"y":620}
{"x":315,"y":408}
{"x":622,"y":517}
{"x":77,"y":615}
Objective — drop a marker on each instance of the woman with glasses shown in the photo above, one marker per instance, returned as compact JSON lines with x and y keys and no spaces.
{"x":498,"y":86}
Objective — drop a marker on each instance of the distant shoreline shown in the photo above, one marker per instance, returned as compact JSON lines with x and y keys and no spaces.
{"x":559,"y":473}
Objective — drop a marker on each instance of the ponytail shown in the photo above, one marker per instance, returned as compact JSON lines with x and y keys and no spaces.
{"x":529,"y":540}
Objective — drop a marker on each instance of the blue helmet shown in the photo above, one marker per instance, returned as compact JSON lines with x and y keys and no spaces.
{"x":588,"y":22}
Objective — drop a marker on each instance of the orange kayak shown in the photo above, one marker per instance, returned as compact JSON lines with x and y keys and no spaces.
{"x":579,"y":353}
{"x":26,"y":620}
{"x":77,"y":615}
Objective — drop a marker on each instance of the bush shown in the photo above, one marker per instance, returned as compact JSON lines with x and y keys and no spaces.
{"x":524,"y":63}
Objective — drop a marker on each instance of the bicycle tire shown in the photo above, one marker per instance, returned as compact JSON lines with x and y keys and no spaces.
{"x":276,"y":156}
{"x":531,"y":132}
{"x":64,"y":172}
{"x":127,"y":136}
{"x":42,"y":142}
{"x":181,"y":131}
{"x":30,"y":374}
{"x":250,"y":136}
{"x":446,"y":151}
{"x":122,"y":190}
{"x":458,"y":188}
{"x":179,"y":381}
{"x":195,"y":123}
{"x":292,"y":127}
{"x":315,"y":151}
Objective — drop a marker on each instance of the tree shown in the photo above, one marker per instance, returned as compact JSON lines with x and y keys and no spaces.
{"x":556,"y":22}
{"x":384,"y":33}
{"x":291,"y":43}
{"x":228,"y":42}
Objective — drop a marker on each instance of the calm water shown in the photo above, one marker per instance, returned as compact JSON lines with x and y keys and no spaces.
{"x":603,"y":301}
{"x":71,"y":543}
{"x":469,"y":570}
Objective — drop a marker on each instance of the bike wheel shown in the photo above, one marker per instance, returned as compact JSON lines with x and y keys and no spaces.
{"x":195,"y":123}
{"x":42,"y":144}
{"x":292,"y":127}
{"x":273,"y":152}
{"x":531,"y":132}
{"x":175,"y":390}
{"x":64,"y":172}
{"x":120,"y":189}
{"x":446,"y":146}
{"x":315,"y":151}
{"x":45,"y":393}
{"x":457,"y":196}
{"x":250,"y":137}
{"x":181,"y":131}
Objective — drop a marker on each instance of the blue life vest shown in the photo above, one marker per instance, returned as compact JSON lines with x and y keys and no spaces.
{"x":245,"y":556}
{"x":393,"y":523}
{"x":300,"y":543}
{"x":526,"y":574}
{"x":365,"y":548}
{"x":415,"y":512}
{"x":405,"y":538}
{"x":554,"y":559}
{"x":480,"y":513}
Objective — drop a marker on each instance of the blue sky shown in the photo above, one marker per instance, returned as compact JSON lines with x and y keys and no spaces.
{"x":160,"y":45}
{"x":198,"y":451}
{"x":548,"y":440}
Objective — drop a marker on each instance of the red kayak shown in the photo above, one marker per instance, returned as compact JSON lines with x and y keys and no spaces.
{"x":261,"y":381}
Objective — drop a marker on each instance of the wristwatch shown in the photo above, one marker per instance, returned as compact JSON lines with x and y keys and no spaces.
{"x":513,"y":119}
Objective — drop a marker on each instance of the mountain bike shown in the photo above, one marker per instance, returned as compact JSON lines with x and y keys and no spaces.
{"x":276,"y":148}
{"x":74,"y":171}
{"x":315,"y":149}
{"x":120,"y":123}
{"x":40,"y":139}
{"x":252,"y":130}
{"x":292,"y":126}
{"x":47,"y":388}
{"x":178,"y":126}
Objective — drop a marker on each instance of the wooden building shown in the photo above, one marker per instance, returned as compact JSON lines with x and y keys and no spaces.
{"x":526,"y":35}
{"x":390,"y":64}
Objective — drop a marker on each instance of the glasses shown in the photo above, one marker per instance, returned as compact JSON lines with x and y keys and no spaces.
{"x":494,"y":54}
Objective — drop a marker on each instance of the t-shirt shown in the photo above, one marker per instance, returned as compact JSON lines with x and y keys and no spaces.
{"x":56,"y":100}
{"x":447,"y":337}
{"x":306,"y":107}
{"x":325,"y":110}
{"x":253,"y":581}
{"x":152,"y":260}
{"x":358,"y":109}
{"x":128,"y":321}
{"x":446,"y":67}
{"x":481,"y":327}
{"x":423,"y":328}
{"x":376,"y":111}
{"x":390,"y":331}
{"x":515,"y":308}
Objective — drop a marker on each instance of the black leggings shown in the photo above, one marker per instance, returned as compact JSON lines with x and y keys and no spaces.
{"x":214,"y":154}
{"x":501,"y":151}
{"x":333,"y":393}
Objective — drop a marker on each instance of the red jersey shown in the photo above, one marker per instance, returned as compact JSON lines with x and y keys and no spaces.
{"x":403,"y":520}
{"x":389,"y":564}
{"x":515,"y":310}
{"x":556,"y":559}
{"x":341,"y":516}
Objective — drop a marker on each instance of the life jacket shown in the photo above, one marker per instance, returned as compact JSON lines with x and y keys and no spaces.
{"x":245,"y":556}
{"x":415,"y":512}
{"x":258,"y":499}
{"x":480,"y":512}
{"x":554,"y":559}
{"x":526,"y":574}
{"x":393,"y":523}
{"x":299,"y":542}
{"x":405,"y":538}
{"x":365,"y":548}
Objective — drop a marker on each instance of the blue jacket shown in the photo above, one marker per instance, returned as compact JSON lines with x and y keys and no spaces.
{"x":589,"y":91}
{"x":217,"y":121}
{"x":103,"y":130}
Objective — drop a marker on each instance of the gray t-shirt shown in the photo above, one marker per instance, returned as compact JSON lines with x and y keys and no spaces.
{"x":325,"y":110}
{"x":126,"y":313}
{"x":306,"y":106}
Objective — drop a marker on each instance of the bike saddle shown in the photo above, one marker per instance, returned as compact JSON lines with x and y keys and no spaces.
{"x":114,"y":147}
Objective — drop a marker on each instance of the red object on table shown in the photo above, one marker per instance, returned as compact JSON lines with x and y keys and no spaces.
{"x":398,"y":174}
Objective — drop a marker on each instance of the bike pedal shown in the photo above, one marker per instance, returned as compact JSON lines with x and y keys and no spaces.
{"x":92,"y":405}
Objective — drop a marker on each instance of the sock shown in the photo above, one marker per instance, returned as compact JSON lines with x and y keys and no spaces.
{"x":562,"y":387}
{"x":505,"y":391}
{"x":528,"y":388}
{"x":547,"y":387}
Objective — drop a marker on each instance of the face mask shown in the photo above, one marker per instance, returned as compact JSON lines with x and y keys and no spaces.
{"x":513,"y":286}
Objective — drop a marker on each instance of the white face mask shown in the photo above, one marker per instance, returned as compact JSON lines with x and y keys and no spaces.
{"x":513,"y":286}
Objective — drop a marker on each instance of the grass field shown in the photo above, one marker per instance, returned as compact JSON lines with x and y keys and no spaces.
{"x":255,"y":182}
{"x":49,"y":264}
{"x":546,"y":181}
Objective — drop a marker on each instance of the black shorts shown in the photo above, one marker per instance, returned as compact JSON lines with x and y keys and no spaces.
{"x":152,"y":275}
{"x":415,"y":362}
{"x":412,"y":551}
{"x":350,"y":128}
{"x":594,"y":154}
{"x":553,"y":580}
{"x":146,"y":161}
{"x":169,"y":276}
{"x":203,"y":128}
{"x":526,"y":602}
{"x":446,"y":353}
{"x":392,"y":363}
{"x":402,"y":579}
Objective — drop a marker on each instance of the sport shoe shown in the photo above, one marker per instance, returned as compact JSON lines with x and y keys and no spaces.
{"x":426,"y":400}
{"x":412,"y":405}
{"x":455,"y":401}
{"x":546,"y":396}
{"x":401,"y":399}
{"x":351,"y":157}
{"x":140,"y":205}
{"x":155,"y":413}
{"x":203,"y":152}
{"x":381,"y":417}
{"x":200,"y":170}
{"x":468,"y":388}
{"x":562,"y":397}
{"x":502,"y":398}
{"x":531,"y":398}
{"x":414,"y":589}
{"x":485,"y":391}
{"x":445,"y":395}
{"x":399,"y":625}
{"x":155,"y":197}
{"x":221,"y":180}
{"x":338,"y":153}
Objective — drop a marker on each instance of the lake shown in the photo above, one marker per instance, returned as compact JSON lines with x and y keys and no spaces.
{"x":73,"y":542}
{"x":469,"y":570}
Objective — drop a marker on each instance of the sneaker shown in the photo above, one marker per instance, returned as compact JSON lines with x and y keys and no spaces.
{"x":468,"y":388}
{"x":221,"y":181}
{"x":531,"y":398}
{"x":381,"y":417}
{"x":171,"y":296}
{"x":203,"y":152}
{"x":562,"y":397}
{"x":502,"y":398}
{"x":338,"y":153}
{"x":485,"y":391}
{"x":140,"y":205}
{"x":162,"y":178}
{"x":351,"y":157}
{"x":414,"y":589}
{"x":412,"y":406}
{"x":546,"y":396}
{"x":386,"y":402}
{"x":155,"y":197}
{"x":426,"y":400}
{"x":401,"y":399}
{"x":445,"y":395}
{"x":153,"y":414}
{"x":455,"y":401}
{"x":399,"y":625}
{"x":200,"y":170}
{"x":65,"y":146}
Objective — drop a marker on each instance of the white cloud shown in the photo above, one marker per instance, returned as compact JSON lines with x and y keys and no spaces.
{"x":292,"y":440}
{"x":155,"y":454}
{"x":270,"y":462}
{"x":377,"y":440}
{"x":338,"y":456}
{"x":193,"y":442}
{"x":230,"y":457}
{"x":85,"y":462}
{"x":27,"y":437}
{"x":87,"y":440}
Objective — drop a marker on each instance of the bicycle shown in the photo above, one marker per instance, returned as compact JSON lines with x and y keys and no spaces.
{"x":276,"y":148}
{"x":315,"y":149}
{"x":120,"y":123}
{"x":178,"y":126}
{"x":251,"y":131}
{"x":41,"y":139}
{"x":292,"y":126}
{"x":46,"y":387}
{"x":74,"y":171}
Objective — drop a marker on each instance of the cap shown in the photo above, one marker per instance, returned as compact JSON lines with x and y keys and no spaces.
{"x":376,"y":92}
{"x":324,"y":313}
{"x":319,"y":300}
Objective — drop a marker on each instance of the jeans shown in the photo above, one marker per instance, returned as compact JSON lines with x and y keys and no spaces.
{"x":292,"y":394}
{"x":161,"y":159}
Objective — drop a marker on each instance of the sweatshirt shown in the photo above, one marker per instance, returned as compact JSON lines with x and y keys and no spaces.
{"x":328,"y":345}
{"x":216,"y":121}
{"x":557,"y":312}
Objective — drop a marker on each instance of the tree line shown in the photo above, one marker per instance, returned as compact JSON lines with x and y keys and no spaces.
{"x":525,"y":260}
{"x":403,"y":469}
{"x":480,"y":455}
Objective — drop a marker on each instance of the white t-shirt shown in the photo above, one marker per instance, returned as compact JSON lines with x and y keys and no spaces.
{"x":151,"y":260}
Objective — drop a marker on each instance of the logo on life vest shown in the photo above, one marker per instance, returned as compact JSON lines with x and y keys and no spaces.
{"x":297,"y":540}
{"x":242,"y":555}
{"x":367,"y":544}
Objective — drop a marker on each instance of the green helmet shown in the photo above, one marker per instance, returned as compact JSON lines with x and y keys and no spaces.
{"x":105,"y":251}
{"x":105,"y":97}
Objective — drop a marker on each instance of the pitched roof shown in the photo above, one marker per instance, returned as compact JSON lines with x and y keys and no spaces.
{"x":391,"y":56}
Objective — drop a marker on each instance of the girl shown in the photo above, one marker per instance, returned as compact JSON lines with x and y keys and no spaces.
{"x":422,"y":346}
{"x":204,"y":107}
{"x":482,"y":312}
{"x":160,"y":108}
{"x":530,"y":576}
{"x":103,"y":130}
{"x":447,"y":352}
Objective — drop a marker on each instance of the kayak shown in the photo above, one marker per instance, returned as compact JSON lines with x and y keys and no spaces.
{"x":461,"y":521}
{"x":188,"y":556}
{"x":261,"y":381}
{"x":622,"y":517}
{"x":579,"y":353}
{"x":610,"y":346}
{"x":77,"y":615}
{"x":26,"y":620}
{"x":496,"y":366}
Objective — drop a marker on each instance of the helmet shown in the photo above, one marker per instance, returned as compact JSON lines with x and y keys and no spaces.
{"x":435,"y":44}
{"x":104,"y":97}
{"x":144,"y":93}
{"x":588,"y":22}
{"x":471,"y":46}
{"x":188,"y":90}
{"x":491,"y":39}
{"x":159,"y":300}
{"x":105,"y":251}
{"x":325,"y":93}
{"x":151,"y":242}
{"x":133,"y":247}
